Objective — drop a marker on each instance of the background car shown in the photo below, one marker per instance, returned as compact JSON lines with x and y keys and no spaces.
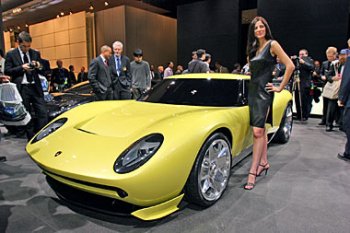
{"x":61,"y":102}
{"x":142,"y":157}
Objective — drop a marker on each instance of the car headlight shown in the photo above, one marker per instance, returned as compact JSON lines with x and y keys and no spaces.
{"x":50,"y":129}
{"x":138,"y":153}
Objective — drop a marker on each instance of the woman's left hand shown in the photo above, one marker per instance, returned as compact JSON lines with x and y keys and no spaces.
{"x":271,"y":88}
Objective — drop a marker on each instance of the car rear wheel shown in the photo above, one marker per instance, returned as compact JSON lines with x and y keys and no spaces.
{"x":211,"y":171}
{"x":285,"y":130}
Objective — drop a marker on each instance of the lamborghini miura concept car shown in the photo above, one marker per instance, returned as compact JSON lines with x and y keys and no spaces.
{"x":143,"y":157}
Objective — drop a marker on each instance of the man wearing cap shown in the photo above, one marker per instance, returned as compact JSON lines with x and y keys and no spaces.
{"x":140,"y":73}
{"x":344,"y":101}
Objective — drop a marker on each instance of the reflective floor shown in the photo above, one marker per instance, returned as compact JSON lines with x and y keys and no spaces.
{"x":307,"y":189}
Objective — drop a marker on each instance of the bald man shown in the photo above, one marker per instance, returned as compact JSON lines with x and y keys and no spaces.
{"x":99,"y":75}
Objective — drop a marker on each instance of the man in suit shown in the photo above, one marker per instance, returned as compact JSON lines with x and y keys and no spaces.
{"x":22,"y":64}
{"x":120,"y":71}
{"x":306,"y":67}
{"x":199,"y":66}
{"x":331,"y":54}
{"x":60,"y":77}
{"x":344,"y":101}
{"x":71,"y":76}
{"x":99,"y":75}
{"x":82,"y":76}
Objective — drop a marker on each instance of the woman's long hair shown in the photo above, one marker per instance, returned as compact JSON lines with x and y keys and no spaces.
{"x":253,"y":42}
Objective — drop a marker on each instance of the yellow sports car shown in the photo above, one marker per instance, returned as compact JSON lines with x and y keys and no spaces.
{"x":143,"y":157}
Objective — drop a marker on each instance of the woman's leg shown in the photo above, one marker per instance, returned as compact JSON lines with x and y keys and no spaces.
{"x":263,"y":161}
{"x":259,"y":143}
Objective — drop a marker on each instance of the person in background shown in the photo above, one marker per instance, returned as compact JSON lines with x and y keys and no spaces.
{"x":158,"y":75}
{"x":316,"y":73}
{"x":71,"y":76}
{"x":59,"y":77}
{"x":152,"y":72}
{"x":82,"y":76}
{"x":237,"y":68}
{"x":23,"y":66}
{"x":199,"y":66}
{"x":344,"y":102}
{"x":169,"y":70}
{"x":140,"y":73}
{"x":207,"y":60}
{"x":331,"y":54}
{"x":120,"y":69}
{"x":2,"y":62}
{"x":335,"y":75}
{"x":194,"y":57}
{"x":220,"y":68}
{"x":280,"y":68}
{"x":99,"y":75}
{"x":179,"y":69}
{"x":306,"y":67}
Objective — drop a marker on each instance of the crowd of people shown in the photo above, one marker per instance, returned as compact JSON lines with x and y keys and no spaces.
{"x":113,"y":76}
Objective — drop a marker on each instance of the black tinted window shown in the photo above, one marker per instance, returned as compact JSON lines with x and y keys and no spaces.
{"x":199,"y":92}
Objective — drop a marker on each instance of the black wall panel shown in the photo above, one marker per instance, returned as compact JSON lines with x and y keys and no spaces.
{"x":213,"y":25}
{"x":310,"y":24}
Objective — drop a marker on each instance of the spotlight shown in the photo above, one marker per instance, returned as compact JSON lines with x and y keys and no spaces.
{"x":70,"y":12}
{"x":91,"y":8}
{"x":57,"y":16}
{"x":10,"y":30}
{"x":27,"y":25}
{"x":106,"y":3}
{"x":18,"y":27}
{"x":62,"y":13}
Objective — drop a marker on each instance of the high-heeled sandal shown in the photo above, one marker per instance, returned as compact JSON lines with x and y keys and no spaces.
{"x":249,"y":184}
{"x":265,"y":168}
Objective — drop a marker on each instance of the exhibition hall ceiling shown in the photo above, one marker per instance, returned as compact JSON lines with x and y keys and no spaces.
{"x":20,"y":13}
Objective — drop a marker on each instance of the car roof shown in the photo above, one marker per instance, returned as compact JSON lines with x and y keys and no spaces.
{"x":210,"y":76}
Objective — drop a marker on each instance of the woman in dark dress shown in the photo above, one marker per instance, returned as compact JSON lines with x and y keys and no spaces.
{"x":262,"y":52}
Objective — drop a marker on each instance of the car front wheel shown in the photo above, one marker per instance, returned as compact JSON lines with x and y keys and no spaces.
{"x":211,"y":171}
{"x":285,"y":130}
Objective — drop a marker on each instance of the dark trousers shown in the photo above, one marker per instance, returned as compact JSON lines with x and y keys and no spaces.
{"x":306,"y":99}
{"x":108,"y":95}
{"x":137,"y":92}
{"x":324,"y":110}
{"x":34,"y":103}
{"x":120,"y":92}
{"x":346,"y":127}
{"x":332,"y":112}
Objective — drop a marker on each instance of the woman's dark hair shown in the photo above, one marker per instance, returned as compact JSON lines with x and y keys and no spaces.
{"x":253,"y":42}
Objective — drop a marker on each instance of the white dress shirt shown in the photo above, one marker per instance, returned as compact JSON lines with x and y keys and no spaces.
{"x":24,"y":80}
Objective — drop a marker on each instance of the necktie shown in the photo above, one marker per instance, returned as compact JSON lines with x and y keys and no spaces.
{"x":106,"y":63}
{"x":28,"y":73}
{"x":118,"y":65}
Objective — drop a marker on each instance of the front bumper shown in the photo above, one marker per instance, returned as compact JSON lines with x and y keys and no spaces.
{"x":71,"y":191}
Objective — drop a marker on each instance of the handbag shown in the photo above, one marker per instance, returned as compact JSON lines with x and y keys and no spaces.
{"x":331,"y":90}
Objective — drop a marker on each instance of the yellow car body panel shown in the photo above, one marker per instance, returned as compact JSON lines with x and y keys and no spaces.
{"x":86,"y":147}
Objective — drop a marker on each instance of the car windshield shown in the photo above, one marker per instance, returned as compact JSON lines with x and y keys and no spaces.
{"x":84,"y":89}
{"x":198,"y":92}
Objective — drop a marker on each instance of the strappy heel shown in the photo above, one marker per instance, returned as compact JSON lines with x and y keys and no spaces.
{"x":265,"y":168}
{"x":249,"y":184}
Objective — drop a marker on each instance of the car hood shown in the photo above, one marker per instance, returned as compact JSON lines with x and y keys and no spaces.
{"x":135,"y":117}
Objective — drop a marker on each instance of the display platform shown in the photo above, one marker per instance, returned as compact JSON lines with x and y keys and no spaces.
{"x":306,"y":190}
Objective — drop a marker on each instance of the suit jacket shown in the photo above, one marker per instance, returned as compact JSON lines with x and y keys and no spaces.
{"x":99,"y":76}
{"x":82,"y":77}
{"x":344,"y":91}
{"x":124,"y":76}
{"x":197,"y":66}
{"x":58,"y":77}
{"x":13,"y":68}
{"x":305,"y":72}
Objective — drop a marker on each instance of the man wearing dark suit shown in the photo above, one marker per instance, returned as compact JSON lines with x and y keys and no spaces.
{"x":82,"y":76}
{"x":306,"y":67}
{"x":344,"y":101}
{"x":23,"y":67}
{"x":120,"y":70}
{"x":60,"y":77}
{"x":99,"y":75}
{"x":198,"y":65}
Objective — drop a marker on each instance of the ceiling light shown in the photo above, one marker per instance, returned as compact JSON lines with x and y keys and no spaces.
{"x":91,"y":8}
{"x":16,"y":10}
{"x":106,"y":3}
{"x":62,"y":13}
{"x":27,"y":25}
{"x":10,"y":29}
{"x":18,"y":27}
{"x":57,"y":16}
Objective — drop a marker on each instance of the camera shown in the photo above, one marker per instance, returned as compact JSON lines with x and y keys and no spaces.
{"x":33,"y":65}
{"x":296,"y":61}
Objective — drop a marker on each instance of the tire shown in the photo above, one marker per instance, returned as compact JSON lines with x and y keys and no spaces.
{"x":285,"y":130}
{"x":210,"y":173}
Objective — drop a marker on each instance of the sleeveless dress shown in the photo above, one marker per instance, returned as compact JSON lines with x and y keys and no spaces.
{"x":259,"y":100}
